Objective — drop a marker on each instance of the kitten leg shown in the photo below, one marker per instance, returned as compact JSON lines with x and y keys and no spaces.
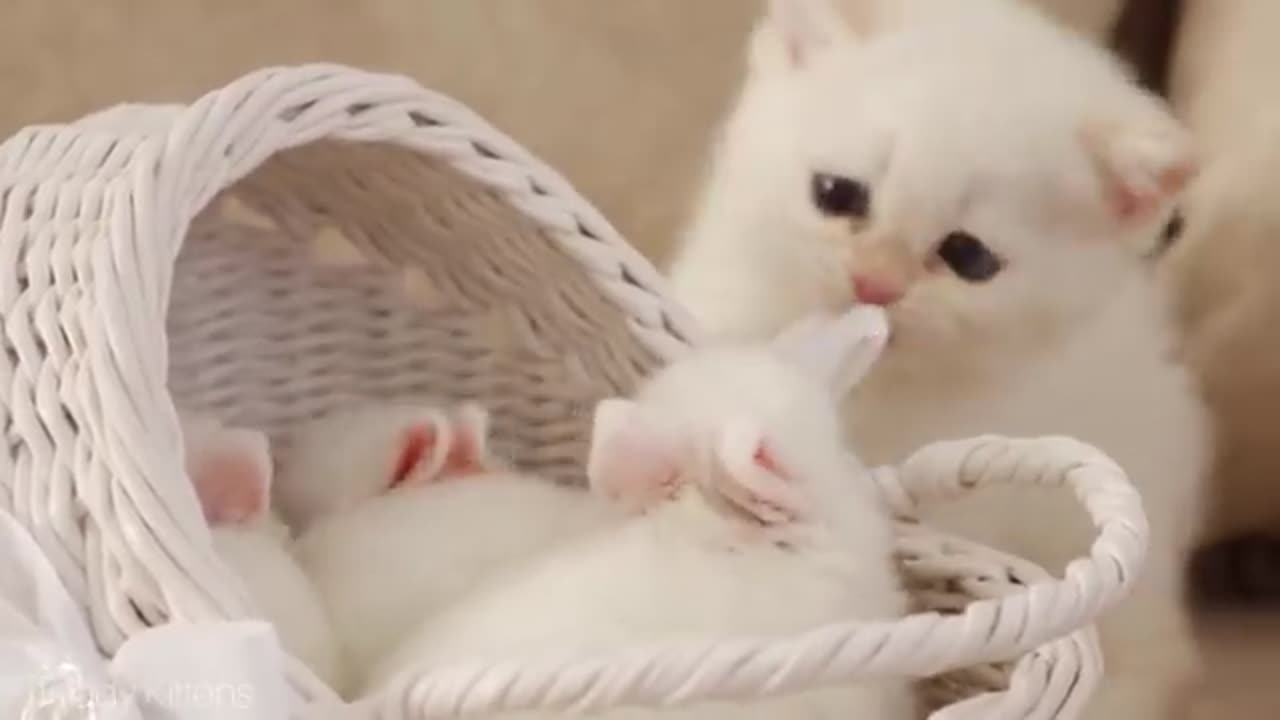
{"x":1151,"y":660}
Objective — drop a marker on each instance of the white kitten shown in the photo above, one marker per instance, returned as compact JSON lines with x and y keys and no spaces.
{"x":446,"y":515}
{"x":348,"y":455}
{"x":750,"y":520}
{"x":231,"y":471}
{"x":995,"y":182}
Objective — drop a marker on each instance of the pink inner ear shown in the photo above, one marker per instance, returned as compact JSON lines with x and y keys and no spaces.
{"x":419,"y":441}
{"x":1132,"y":204}
{"x":464,"y":457}
{"x":752,"y":479}
{"x":468,"y":452}
{"x":633,"y":460}
{"x":765,"y":459}
{"x":1141,"y":169}
{"x":447,"y":446}
{"x":634,"y":477}
{"x":1128,"y":205}
{"x":232,"y":486}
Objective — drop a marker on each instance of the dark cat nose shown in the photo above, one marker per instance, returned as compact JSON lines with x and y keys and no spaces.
{"x":875,"y":290}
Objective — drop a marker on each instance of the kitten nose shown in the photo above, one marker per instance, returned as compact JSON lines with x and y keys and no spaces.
{"x":873,"y":290}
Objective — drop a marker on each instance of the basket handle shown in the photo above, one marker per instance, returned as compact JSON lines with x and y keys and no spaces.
{"x":1054,"y":682}
{"x":919,"y":645}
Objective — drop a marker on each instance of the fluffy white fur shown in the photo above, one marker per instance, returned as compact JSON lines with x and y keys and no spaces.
{"x":391,"y":556}
{"x":258,"y":552}
{"x":397,"y":558}
{"x":985,"y":118}
{"x":231,"y":470}
{"x":341,"y":458}
{"x":688,"y":566}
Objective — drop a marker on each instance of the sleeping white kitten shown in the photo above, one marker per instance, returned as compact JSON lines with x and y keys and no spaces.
{"x":231,"y":471}
{"x":996,"y":183}
{"x":413,"y":511}
{"x":747,"y":518}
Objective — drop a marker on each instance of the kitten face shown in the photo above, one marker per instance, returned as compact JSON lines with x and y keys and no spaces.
{"x":992,"y":183}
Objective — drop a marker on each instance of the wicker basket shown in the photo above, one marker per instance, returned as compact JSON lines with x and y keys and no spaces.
{"x":308,"y":237}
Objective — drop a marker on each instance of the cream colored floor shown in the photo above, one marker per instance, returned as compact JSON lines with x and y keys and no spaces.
{"x":618,"y":94}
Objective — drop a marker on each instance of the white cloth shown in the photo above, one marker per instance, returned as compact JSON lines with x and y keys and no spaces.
{"x":50,"y":668}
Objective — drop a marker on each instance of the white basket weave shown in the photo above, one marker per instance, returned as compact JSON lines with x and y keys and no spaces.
{"x":159,"y":255}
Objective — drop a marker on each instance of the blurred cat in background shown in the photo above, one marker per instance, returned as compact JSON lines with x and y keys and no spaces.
{"x":1221,"y":83}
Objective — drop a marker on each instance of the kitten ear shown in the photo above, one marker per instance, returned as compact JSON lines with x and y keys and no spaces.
{"x":440,"y":444}
{"x":1145,"y":159}
{"x":418,"y":449}
{"x":793,"y":32}
{"x":751,"y":479}
{"x":837,"y":351}
{"x":469,"y":453}
{"x":634,"y":459}
{"x":230,"y":469}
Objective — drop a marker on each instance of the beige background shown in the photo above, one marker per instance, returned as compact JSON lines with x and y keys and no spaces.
{"x":604,"y":89}
{"x":618,"y":94}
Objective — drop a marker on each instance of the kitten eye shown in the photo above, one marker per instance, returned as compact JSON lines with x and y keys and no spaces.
{"x":968,"y":258}
{"x":839,"y":196}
